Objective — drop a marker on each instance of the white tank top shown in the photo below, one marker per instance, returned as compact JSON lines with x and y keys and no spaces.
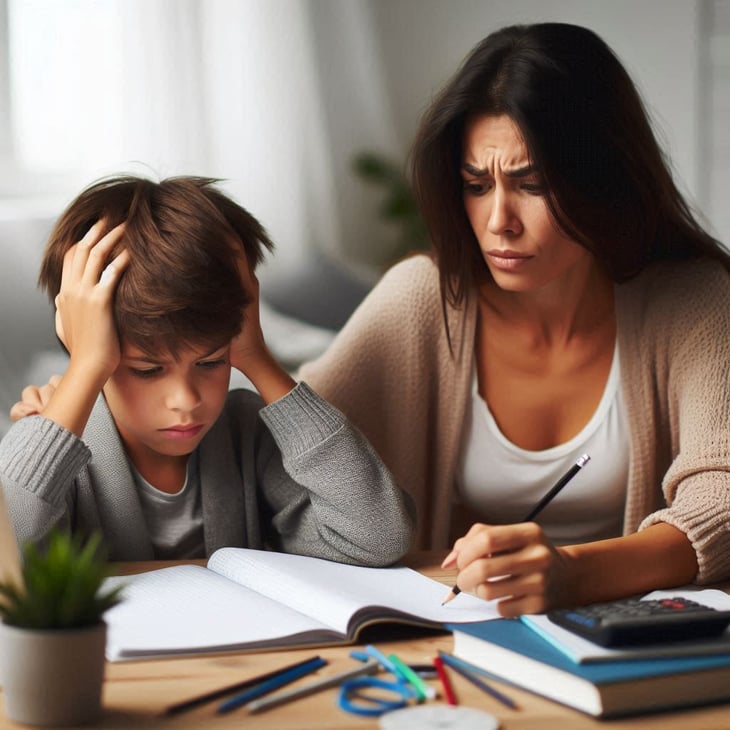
{"x":500,"y":483}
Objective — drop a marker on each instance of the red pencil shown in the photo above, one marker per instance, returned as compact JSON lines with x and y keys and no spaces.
{"x":445,"y":682}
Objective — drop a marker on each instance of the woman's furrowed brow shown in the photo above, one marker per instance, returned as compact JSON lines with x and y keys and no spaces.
{"x":517,"y":172}
{"x":524,"y":171}
{"x":473,"y":170}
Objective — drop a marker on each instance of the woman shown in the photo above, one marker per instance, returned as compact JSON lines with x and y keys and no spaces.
{"x":572,"y":304}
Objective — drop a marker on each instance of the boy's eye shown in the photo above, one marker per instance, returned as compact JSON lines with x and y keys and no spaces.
{"x":211,"y":364}
{"x":146,"y":372}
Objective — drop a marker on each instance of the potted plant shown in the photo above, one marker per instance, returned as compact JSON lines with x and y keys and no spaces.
{"x":398,"y":206}
{"x":52,"y":636}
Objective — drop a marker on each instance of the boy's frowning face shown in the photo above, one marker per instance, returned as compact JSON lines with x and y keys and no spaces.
{"x":163,"y":406}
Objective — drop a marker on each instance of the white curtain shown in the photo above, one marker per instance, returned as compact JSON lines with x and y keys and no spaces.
{"x":272,"y":95}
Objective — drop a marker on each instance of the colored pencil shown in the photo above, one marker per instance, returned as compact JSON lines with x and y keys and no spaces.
{"x":445,"y":681}
{"x":229,"y":689}
{"x":266,"y":703}
{"x":281,"y":679}
{"x":467,"y":671}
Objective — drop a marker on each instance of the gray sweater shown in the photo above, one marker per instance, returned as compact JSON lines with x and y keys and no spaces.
{"x":293,"y":476}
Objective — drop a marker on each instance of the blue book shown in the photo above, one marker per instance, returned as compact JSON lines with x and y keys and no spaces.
{"x":509,"y":651}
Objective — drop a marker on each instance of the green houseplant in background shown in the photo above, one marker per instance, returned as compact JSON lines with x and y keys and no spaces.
{"x":52,"y":636}
{"x":398,"y":206}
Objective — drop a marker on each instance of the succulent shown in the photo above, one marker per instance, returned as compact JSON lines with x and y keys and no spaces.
{"x":62,"y":584}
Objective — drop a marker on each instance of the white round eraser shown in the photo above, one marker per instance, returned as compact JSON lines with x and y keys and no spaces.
{"x":438,"y":717}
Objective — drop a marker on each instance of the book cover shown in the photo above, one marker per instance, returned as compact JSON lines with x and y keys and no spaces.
{"x":508,"y":650}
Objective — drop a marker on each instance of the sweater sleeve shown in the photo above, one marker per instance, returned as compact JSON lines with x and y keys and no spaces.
{"x":697,"y":484}
{"x":39,"y":461}
{"x":391,"y":372}
{"x":328,"y":493}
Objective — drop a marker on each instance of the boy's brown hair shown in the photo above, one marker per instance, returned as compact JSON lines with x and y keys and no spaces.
{"x":181,"y":287}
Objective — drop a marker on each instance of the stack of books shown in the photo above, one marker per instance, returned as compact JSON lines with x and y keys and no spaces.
{"x":536,"y":655}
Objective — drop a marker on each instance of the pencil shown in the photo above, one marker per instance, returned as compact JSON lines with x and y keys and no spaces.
{"x":539,"y":507}
{"x":466,"y":670}
{"x":266,"y":703}
{"x":545,"y":501}
{"x":423,"y":691}
{"x":375,"y":653}
{"x":281,"y":679}
{"x":230,"y":689}
{"x":445,"y":681}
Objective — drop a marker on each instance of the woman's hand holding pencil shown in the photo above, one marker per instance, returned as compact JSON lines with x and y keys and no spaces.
{"x":514,"y":564}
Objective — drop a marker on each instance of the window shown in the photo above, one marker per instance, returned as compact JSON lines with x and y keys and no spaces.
{"x":59,"y":79}
{"x":64,"y":82}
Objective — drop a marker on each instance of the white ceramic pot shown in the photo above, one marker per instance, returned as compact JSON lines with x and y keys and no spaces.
{"x":52,"y":677}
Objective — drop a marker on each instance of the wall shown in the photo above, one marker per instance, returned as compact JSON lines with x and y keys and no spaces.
{"x":423,"y":41}
{"x":419,"y":43}
{"x":714,"y":163}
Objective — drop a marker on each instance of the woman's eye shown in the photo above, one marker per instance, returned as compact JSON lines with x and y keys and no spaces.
{"x":475,"y":188}
{"x":534,"y":188}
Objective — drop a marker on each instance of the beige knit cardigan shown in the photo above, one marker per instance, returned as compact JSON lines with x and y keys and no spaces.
{"x":391,"y":371}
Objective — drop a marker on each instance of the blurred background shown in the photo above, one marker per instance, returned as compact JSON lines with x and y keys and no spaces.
{"x":305,"y":109}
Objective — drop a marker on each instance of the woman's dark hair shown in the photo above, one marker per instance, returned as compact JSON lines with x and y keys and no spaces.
{"x":587,"y":133}
{"x":181,"y":287}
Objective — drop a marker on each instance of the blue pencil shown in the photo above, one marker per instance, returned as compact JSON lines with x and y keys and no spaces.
{"x":286,"y":677}
{"x":375,"y":653}
{"x":467,"y":670}
{"x":229,"y":689}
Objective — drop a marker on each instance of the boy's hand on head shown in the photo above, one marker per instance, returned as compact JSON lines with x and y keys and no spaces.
{"x":84,"y":321}
{"x":249,"y":352}
{"x":249,"y":345}
{"x":85,"y":325}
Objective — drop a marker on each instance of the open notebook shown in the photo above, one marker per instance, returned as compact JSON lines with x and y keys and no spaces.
{"x":253,"y":600}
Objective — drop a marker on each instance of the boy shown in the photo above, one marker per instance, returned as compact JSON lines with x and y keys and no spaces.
{"x":142,"y":439}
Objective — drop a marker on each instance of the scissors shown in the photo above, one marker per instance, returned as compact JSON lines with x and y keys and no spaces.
{"x":371,"y":696}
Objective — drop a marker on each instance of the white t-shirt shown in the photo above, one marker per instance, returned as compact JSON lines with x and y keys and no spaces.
{"x":501,"y":482}
{"x":175,"y":521}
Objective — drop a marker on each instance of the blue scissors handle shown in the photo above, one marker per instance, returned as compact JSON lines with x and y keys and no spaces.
{"x":355,"y":698}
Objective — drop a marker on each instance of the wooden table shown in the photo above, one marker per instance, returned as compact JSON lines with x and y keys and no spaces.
{"x":135,"y":693}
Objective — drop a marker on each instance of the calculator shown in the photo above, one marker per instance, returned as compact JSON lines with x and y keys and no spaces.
{"x":633,"y":621}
